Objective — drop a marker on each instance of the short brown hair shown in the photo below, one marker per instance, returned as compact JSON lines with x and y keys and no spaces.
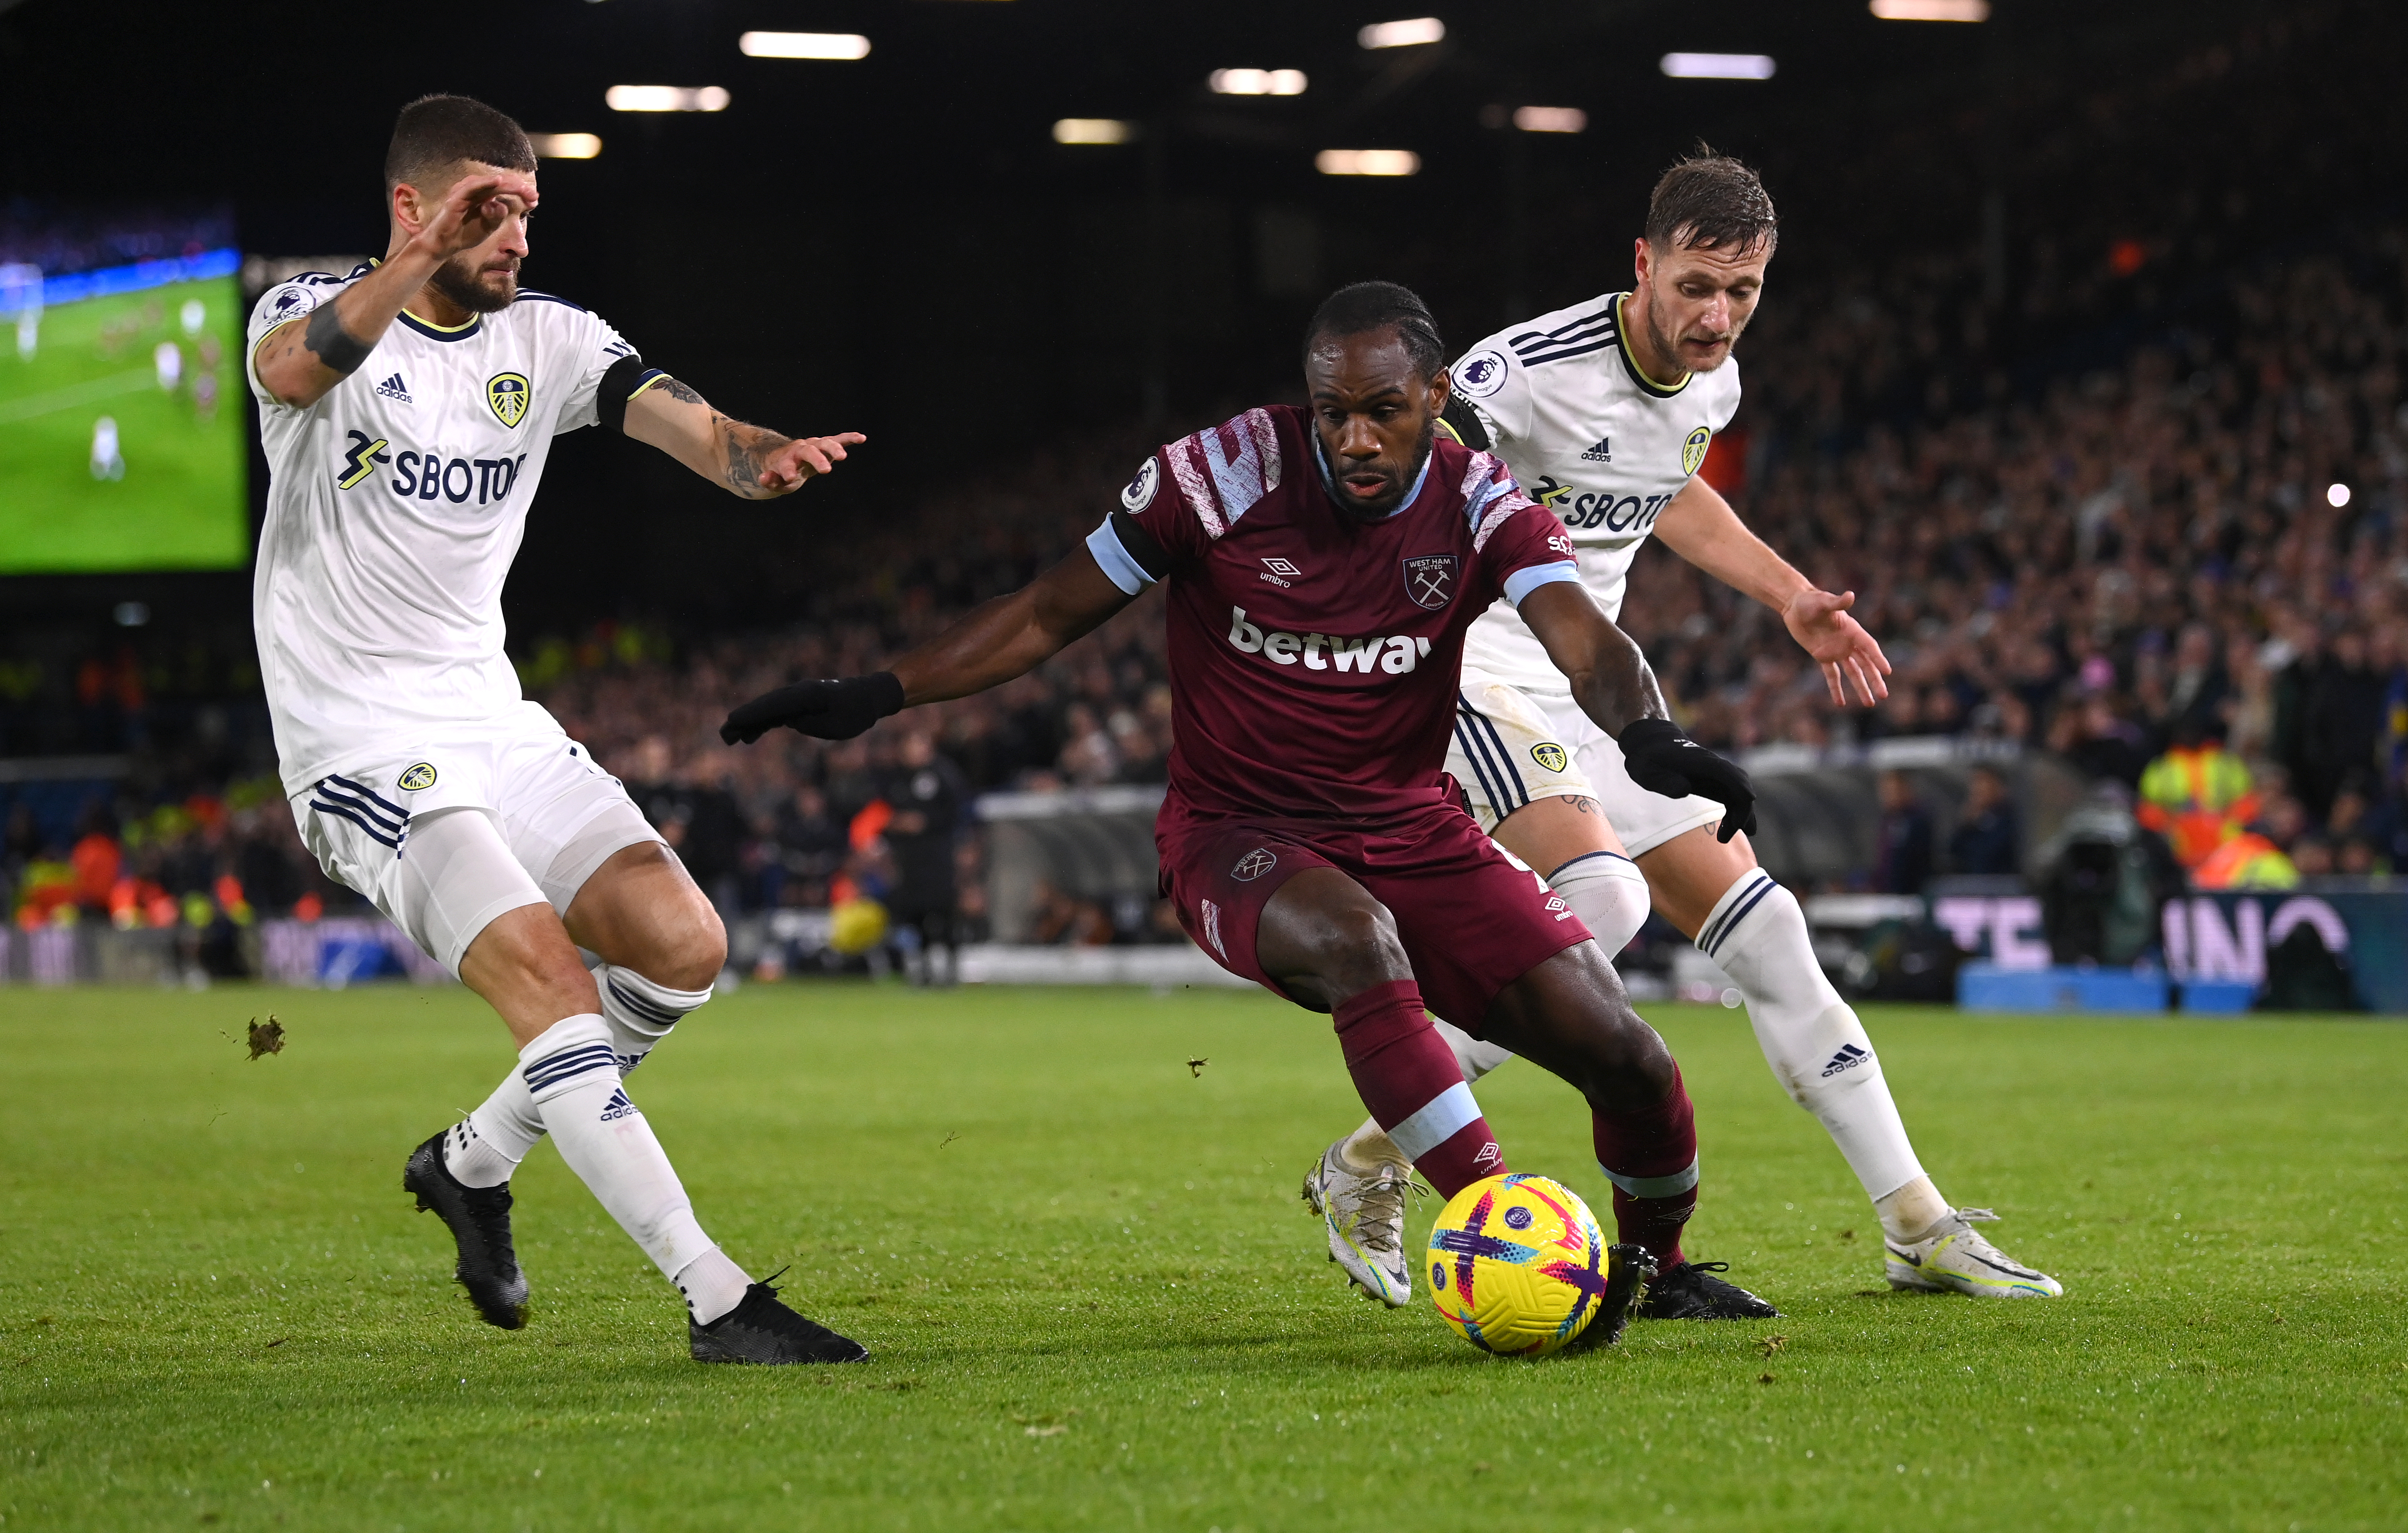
{"x":1710,"y":202}
{"x":436,"y":131}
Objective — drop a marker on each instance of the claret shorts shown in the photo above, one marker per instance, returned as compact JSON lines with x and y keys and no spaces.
{"x":1471,"y":921}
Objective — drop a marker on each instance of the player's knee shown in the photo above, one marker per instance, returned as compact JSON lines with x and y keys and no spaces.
{"x":1626,"y":1064}
{"x":691,"y":957}
{"x":1346,"y":950}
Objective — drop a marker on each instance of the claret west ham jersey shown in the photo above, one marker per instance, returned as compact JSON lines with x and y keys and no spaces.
{"x":394,"y":507}
{"x":1313,"y":655}
{"x":1593,"y":439}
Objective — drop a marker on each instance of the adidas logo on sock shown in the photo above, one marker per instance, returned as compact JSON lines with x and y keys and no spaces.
{"x":393,"y":388}
{"x":1602,"y":453}
{"x":1848,"y":1058}
{"x":619,"y":1106}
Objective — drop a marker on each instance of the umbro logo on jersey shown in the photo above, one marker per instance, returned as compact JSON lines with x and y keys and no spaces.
{"x":393,"y":388}
{"x":1274,"y":570}
{"x":1848,"y":1058}
{"x":1602,"y":453}
{"x":619,"y":1106}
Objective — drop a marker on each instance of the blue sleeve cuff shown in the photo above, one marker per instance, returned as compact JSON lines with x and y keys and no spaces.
{"x":1118,"y":568}
{"x":1531,"y":577}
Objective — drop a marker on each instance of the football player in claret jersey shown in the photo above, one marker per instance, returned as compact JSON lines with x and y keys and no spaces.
{"x":1321,"y":565}
{"x":1604,"y":411}
{"x":406,"y":410}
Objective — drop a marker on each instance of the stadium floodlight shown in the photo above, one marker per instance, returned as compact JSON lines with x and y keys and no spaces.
{"x":2336,"y":495}
{"x":1931,"y":10}
{"x":565,"y":145}
{"x":664,"y":98}
{"x":1551,"y":119}
{"x":804,"y":45}
{"x":1421,"y":29}
{"x":1718,"y":65}
{"x":1093,"y":129}
{"x":1257,"y":82}
{"x":1368,"y":162}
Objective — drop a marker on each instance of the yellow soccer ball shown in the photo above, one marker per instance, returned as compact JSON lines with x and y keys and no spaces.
{"x":1517,"y":1265}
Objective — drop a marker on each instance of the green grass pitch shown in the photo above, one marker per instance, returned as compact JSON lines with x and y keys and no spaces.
{"x":1095,"y":1302}
{"x":181,"y":503}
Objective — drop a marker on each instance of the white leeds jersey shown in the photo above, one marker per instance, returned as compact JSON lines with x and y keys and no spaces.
{"x":394,"y":507}
{"x":1592,"y":438}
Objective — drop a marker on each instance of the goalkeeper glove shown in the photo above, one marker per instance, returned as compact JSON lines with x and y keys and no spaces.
{"x":831,"y":710}
{"x":1662,"y":760}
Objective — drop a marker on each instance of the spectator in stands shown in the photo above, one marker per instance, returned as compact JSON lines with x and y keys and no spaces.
{"x":2096,"y":736}
{"x":2195,"y":694}
{"x":929,"y":800}
{"x":811,"y":847}
{"x":1988,"y":838}
{"x":2340,"y":719}
{"x":1902,"y":858}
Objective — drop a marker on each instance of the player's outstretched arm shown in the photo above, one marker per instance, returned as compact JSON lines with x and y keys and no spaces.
{"x":1615,"y":685}
{"x":1701,"y":526}
{"x":750,"y":461}
{"x":1007,"y":637}
{"x":300,"y":361}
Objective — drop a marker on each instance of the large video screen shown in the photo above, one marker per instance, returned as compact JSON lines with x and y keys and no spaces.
{"x":122,"y":442}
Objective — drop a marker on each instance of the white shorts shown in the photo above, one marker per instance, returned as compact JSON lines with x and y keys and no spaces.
{"x":448,"y":835}
{"x":1511,"y":746}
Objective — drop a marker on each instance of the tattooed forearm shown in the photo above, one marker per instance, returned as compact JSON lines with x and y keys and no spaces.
{"x":678,"y":392}
{"x":335,"y":347}
{"x":748,"y":447}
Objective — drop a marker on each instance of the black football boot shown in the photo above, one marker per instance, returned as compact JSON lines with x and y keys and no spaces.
{"x":1691,"y":1292}
{"x":762,"y":1330}
{"x":480,"y":1221}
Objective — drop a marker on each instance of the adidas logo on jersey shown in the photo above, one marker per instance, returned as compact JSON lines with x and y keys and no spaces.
{"x":1848,"y":1058}
{"x":1602,"y":453}
{"x":618,"y":1106}
{"x":393,"y":388}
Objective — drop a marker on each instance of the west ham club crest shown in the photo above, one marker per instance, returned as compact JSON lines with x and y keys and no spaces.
{"x":1430,"y":579}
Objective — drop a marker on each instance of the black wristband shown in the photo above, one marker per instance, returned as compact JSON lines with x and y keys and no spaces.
{"x":334,"y":347}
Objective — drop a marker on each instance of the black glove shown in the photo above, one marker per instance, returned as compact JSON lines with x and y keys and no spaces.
{"x":1662,"y":760}
{"x":832,"y":710}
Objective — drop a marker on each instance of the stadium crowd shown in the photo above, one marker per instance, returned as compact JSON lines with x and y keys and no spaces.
{"x":2163,"y":535}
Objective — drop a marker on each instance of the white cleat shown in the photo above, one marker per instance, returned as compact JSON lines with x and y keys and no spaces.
{"x":1955,"y":1258}
{"x":1364,"y":1213}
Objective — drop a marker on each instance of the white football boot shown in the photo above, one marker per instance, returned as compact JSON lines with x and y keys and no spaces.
{"x":1954,"y":1258}
{"x":1364,"y":1213}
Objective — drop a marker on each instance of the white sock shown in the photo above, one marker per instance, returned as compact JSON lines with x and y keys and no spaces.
{"x":1606,"y":890}
{"x":573,"y":1077}
{"x":640,"y":1011}
{"x":712,"y":1285}
{"x":1909,"y":1213}
{"x":485,"y":1149}
{"x":1812,"y":1038}
{"x":486,"y":1146}
{"x":1368,"y":1147}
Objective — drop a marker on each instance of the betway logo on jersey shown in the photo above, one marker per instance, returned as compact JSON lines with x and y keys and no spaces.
{"x":429,"y":476}
{"x":1326,"y":652}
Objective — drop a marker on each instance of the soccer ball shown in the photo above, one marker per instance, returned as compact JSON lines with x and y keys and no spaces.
{"x":1517,"y":1265}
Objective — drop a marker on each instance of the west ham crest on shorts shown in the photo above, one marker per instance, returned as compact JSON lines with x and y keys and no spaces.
{"x":1253,"y":864}
{"x":1430,"y":579}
